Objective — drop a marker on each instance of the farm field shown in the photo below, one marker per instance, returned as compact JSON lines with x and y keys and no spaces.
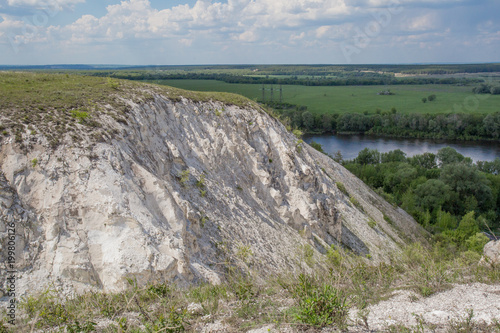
{"x":349,"y":99}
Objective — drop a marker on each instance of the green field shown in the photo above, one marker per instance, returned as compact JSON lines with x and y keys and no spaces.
{"x":346,"y":99}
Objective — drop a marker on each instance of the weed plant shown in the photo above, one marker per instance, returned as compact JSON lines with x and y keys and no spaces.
{"x":320,"y":299}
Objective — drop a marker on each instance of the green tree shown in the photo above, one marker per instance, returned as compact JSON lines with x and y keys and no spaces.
{"x":432,"y":194}
{"x":448,"y":155}
{"x":424,"y":100}
{"x":466,"y":228}
{"x":445,"y":221}
{"x":468,"y":185}
{"x":489,"y":167}
{"x":397,"y":182}
{"x":326,"y":122}
{"x":491,"y":124}
{"x":393,"y":156}
{"x":425,"y":160}
{"x":368,"y":156}
{"x":338,"y":157}
{"x":317,"y":146}
{"x":308,"y":120}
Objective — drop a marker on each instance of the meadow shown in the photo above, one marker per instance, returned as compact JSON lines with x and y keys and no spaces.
{"x":407,"y":99}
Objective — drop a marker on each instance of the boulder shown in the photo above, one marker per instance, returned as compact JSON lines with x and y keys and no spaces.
{"x":492,"y":253}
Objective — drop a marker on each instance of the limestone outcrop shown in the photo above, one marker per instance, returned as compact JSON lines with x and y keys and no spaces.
{"x":491,"y":253}
{"x":181,"y":190}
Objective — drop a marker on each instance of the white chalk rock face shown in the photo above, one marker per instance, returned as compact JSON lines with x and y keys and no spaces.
{"x":182,"y":189}
{"x":491,"y":253}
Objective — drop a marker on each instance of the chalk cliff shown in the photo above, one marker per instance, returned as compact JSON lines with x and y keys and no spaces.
{"x":178,"y":190}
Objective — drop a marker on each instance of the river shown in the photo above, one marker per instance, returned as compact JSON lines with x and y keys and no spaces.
{"x":351,"y":145}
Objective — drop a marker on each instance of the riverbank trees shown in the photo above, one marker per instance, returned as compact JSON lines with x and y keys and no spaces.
{"x":454,"y":126}
{"x":445,"y":192}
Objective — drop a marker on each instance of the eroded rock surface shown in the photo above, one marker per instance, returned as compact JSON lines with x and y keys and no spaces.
{"x":491,"y":253}
{"x":182,"y":189}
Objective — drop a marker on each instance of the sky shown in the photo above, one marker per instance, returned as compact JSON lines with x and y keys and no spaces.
{"x":180,"y":32}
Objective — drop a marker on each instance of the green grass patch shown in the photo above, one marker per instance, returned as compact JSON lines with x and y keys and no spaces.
{"x":359,"y":99}
{"x":56,"y":104}
{"x":307,"y":300}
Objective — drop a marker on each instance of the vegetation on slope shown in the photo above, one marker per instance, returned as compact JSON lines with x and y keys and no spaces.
{"x":241,"y":303}
{"x":446,"y":193}
{"x":56,"y":104}
{"x":63,"y":103}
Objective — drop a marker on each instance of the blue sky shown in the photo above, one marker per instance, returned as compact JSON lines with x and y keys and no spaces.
{"x":154,"y":32}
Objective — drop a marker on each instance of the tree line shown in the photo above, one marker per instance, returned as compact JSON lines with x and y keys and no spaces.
{"x":446,"y":192}
{"x":340,"y":79}
{"x":457,"y":126}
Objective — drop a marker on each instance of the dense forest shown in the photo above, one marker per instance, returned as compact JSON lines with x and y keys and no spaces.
{"x":458,"y":126}
{"x":452,"y":197}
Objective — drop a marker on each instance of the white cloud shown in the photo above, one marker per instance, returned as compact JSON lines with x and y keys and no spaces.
{"x":423,"y":23}
{"x":186,"y":42}
{"x":236,"y":25}
{"x":296,"y":37}
{"x":248,"y":36}
{"x":322,"y":31}
{"x":240,"y":19}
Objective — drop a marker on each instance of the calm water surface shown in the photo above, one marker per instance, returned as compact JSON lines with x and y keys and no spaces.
{"x":351,"y":145}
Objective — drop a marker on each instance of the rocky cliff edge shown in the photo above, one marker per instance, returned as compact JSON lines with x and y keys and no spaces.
{"x":178,"y":189}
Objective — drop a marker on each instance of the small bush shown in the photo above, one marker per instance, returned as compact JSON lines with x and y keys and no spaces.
{"x":356,"y":203}
{"x":173,"y":321}
{"x":477,"y":242}
{"x":298,"y":145}
{"x":201,"y":182}
{"x":184,"y":177}
{"x":203,"y":220}
{"x":308,"y":254}
{"x":341,"y":188}
{"x":113,"y":84}
{"x":334,"y":257}
{"x":372,"y":223}
{"x":81,"y":116}
{"x":319,"y":305}
{"x":388,"y":220}
{"x":3,"y":327}
{"x":34,"y":162}
{"x":298,"y":133}
{"x":159,"y":290}
{"x":78,"y":327}
{"x":317,"y":146}
{"x":243,"y":288}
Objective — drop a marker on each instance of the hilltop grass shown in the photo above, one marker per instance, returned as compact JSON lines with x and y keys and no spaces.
{"x":56,"y":104}
{"x":63,"y":91}
{"x":351,"y":99}
{"x":241,"y":303}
